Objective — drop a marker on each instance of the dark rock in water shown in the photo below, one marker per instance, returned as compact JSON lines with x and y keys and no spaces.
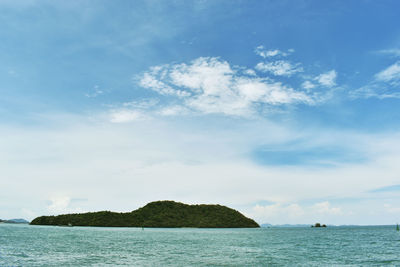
{"x":318,"y":225}
{"x":167,"y":214}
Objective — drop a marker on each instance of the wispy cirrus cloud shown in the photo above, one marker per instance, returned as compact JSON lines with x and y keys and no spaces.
{"x":390,"y":188}
{"x":374,"y":90}
{"x":393,"y":52}
{"x":95,"y":92}
{"x":131,"y":111}
{"x":391,"y":74}
{"x":384,"y":84}
{"x":149,"y":81}
{"x":126,"y":115}
{"x":280,"y":67}
{"x":265,"y":53}
{"x":277,"y":67}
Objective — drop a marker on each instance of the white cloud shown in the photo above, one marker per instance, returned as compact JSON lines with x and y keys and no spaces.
{"x":376,"y":90}
{"x":148,"y":81}
{"x":392,"y":73}
{"x":141,"y":104}
{"x":395,"y":52}
{"x":278,"y":210}
{"x":384,"y":85}
{"x":327,"y":79}
{"x":209,"y":76}
{"x":326,"y":208}
{"x":211,"y":85}
{"x":279,"y":68}
{"x":250,"y":72}
{"x":126,"y":115}
{"x":95,"y":92}
{"x":59,"y":204}
{"x":172,"y":110}
{"x":263,"y":52}
{"x":295,"y":213}
{"x":308,"y":85}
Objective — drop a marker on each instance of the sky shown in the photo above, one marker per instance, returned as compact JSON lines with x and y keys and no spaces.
{"x":286,"y":111}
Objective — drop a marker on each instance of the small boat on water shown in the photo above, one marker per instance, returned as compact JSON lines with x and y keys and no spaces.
{"x":397,"y":227}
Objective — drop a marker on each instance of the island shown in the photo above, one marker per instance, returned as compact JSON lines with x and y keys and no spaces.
{"x":318,"y":225}
{"x":20,"y":221}
{"x":160,"y":214}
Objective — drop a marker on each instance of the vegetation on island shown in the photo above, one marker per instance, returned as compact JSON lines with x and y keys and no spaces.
{"x":318,"y":225}
{"x":168,"y":214}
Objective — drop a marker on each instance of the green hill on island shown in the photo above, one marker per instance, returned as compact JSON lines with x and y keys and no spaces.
{"x":157,"y":214}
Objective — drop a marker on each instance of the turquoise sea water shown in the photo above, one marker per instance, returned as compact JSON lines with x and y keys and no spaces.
{"x":25,"y":245}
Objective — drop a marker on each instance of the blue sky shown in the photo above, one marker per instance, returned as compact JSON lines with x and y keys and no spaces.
{"x":287,"y":111}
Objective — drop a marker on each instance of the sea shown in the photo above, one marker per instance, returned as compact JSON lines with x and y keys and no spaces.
{"x":26,"y":245}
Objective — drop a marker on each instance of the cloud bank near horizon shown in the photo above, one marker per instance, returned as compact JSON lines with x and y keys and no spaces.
{"x":154,"y":160}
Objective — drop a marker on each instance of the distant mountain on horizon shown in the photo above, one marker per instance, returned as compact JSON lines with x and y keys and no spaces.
{"x":265,"y":225}
{"x":14,"y":221}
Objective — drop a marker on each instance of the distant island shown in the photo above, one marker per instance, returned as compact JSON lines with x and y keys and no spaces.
{"x":268,"y":225}
{"x":163,"y":214}
{"x":14,"y":221}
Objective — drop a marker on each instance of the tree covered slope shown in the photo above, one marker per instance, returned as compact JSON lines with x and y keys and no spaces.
{"x":157,"y":214}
